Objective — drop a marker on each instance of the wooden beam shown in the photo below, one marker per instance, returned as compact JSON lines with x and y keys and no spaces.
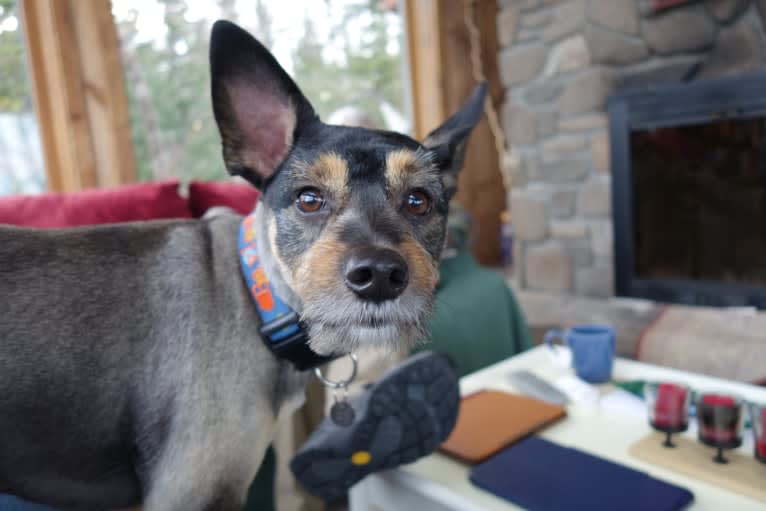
{"x":104,"y":91}
{"x":441,"y":80}
{"x":422,"y":19}
{"x":79,"y":94}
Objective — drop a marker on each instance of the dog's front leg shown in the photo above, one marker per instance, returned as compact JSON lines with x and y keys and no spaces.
{"x":201,"y":487}
{"x":206,"y":472}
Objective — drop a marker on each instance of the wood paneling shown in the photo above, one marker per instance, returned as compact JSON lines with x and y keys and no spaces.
{"x":441,"y":80}
{"x":79,"y":93}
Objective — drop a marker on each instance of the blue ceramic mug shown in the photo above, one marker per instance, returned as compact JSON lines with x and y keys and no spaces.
{"x":592,"y":347}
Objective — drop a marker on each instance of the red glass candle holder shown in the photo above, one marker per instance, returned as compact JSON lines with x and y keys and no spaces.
{"x":758,"y":420}
{"x":668,"y":407}
{"x":720,"y":418}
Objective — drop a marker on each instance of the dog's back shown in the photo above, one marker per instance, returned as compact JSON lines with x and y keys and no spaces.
{"x":83,"y":311}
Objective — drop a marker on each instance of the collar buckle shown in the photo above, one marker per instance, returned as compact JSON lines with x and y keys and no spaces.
{"x":287,"y":338}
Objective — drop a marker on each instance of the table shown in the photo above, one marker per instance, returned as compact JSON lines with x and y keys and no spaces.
{"x":438,"y":482}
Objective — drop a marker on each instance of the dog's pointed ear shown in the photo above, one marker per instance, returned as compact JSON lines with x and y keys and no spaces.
{"x":260,"y":111}
{"x":448,"y":142}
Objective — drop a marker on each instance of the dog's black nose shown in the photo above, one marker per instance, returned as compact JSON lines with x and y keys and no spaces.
{"x":376,"y":274}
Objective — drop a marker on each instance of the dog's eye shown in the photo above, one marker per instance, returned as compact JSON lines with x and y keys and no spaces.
{"x":417,"y":203}
{"x":309,"y":200}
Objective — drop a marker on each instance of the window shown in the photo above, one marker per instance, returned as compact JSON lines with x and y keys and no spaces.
{"x":21,"y":162}
{"x":341,"y":53}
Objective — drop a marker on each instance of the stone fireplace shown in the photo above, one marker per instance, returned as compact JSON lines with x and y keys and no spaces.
{"x":560,"y":61}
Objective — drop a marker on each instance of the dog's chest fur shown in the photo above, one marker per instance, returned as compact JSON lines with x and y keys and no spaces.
{"x":117,"y":340}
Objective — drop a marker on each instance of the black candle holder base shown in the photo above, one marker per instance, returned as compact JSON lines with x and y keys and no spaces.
{"x":669,"y":432}
{"x":720,"y":446}
{"x":719,"y":457}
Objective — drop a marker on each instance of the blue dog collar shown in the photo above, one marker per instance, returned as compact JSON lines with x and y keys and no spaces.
{"x":281,"y":328}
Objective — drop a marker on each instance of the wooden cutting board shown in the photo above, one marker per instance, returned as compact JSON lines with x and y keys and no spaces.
{"x":743,"y":474}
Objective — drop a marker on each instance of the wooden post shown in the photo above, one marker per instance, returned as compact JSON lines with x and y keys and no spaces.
{"x":79,"y":94}
{"x":441,"y":80}
{"x":422,"y":18}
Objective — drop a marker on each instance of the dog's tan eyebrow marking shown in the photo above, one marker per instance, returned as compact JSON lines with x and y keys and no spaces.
{"x":331,"y":171}
{"x":399,"y":165}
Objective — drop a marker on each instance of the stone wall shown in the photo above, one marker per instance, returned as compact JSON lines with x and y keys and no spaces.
{"x":559,"y":61}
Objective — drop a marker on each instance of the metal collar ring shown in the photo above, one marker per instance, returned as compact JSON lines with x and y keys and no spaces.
{"x":339,"y":384}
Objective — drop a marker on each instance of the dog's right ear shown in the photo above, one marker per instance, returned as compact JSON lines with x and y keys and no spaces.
{"x":260,"y":111}
{"x":448,"y":142}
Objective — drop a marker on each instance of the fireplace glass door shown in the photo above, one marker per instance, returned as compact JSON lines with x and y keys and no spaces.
{"x":699,"y":201}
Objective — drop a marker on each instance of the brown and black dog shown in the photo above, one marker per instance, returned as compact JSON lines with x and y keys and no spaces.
{"x":131,"y":367}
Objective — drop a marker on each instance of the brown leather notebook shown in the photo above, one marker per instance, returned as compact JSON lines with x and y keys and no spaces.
{"x":491,"y":420}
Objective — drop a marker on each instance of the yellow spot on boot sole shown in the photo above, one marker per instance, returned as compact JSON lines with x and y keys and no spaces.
{"x":361,"y":458}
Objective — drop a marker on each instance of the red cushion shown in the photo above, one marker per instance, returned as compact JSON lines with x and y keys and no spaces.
{"x":203,"y":195}
{"x":143,"y":201}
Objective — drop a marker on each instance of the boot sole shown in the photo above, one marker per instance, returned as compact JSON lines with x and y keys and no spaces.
{"x":410,"y":412}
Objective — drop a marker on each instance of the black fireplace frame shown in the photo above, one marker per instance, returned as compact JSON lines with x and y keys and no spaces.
{"x":739,"y":97}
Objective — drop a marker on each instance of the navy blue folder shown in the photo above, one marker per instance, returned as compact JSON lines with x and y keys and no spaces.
{"x":542,"y":476}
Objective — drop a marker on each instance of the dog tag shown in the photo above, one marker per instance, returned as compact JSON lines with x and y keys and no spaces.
{"x":342,"y":414}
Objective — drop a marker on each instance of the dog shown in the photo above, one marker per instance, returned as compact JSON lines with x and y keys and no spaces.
{"x":132,"y":371}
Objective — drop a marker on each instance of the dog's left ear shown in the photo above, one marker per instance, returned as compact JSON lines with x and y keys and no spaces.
{"x":260,"y":111}
{"x":448,"y":142}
